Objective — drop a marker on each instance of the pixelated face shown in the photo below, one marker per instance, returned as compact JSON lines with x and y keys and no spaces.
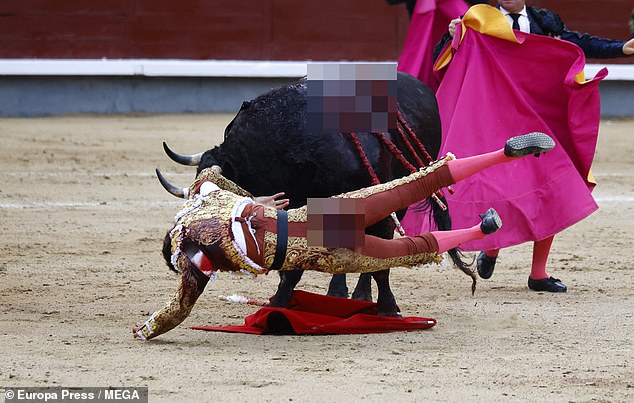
{"x":512,"y":6}
{"x":336,"y":223}
{"x":351,"y":97}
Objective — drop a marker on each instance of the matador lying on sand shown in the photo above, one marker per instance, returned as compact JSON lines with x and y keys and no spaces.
{"x":223,"y":228}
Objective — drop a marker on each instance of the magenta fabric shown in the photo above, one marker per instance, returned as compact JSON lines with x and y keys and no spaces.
{"x":429,"y":22}
{"x":314,"y":314}
{"x":494,"y":89}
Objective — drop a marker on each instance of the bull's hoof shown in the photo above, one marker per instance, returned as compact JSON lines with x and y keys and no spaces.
{"x":390,"y":314}
{"x":338,"y":293}
{"x":388,"y":308}
{"x":363,"y":289}
{"x":277,"y":302}
{"x":337,"y":286}
{"x":362,"y":295}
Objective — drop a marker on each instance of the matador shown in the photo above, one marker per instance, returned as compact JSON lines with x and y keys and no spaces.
{"x":222,"y":227}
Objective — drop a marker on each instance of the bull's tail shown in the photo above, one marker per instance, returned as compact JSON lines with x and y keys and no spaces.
{"x":443,"y":222}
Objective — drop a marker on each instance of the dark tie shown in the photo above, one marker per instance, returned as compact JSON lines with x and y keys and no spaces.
{"x":516,"y":24}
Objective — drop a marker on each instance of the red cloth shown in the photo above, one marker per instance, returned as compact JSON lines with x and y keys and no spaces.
{"x":314,"y":314}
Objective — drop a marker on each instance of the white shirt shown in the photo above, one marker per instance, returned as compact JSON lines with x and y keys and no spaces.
{"x":525,"y":25}
{"x":236,"y":227}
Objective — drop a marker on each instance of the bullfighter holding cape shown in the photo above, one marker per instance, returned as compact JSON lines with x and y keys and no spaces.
{"x":496,"y":82}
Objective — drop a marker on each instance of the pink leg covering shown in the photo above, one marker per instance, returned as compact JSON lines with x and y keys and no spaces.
{"x":465,"y":167}
{"x":541,"y":249}
{"x":492,"y":252}
{"x":450,"y":239}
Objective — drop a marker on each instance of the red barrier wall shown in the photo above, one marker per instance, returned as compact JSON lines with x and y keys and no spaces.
{"x":222,"y":29}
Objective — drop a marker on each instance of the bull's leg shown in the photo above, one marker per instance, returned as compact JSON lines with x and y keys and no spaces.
{"x":363,"y":290}
{"x":386,"y":302}
{"x":288,"y":281}
{"x":338,"y":286}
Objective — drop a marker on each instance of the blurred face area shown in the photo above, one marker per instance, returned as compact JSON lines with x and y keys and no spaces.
{"x":512,"y":6}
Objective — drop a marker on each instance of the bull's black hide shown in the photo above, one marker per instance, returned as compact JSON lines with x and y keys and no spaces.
{"x":267,"y":148}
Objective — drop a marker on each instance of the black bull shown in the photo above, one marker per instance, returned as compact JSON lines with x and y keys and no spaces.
{"x":266,"y":150}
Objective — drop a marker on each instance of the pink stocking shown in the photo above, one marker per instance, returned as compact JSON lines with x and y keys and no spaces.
{"x":451,"y":239}
{"x":464,"y":167}
{"x":541,"y":249}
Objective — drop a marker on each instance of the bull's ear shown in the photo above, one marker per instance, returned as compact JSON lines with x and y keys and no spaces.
{"x":176,"y":191}
{"x":245,"y":105}
{"x":184,"y":159}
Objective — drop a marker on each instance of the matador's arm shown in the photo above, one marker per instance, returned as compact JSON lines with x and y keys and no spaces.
{"x":192,"y":284}
{"x":213,"y":175}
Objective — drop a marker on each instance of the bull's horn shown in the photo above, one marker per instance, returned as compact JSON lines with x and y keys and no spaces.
{"x":176,"y":191}
{"x":191,"y":160}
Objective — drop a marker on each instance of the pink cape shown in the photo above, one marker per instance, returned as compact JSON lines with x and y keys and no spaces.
{"x":313,"y":314}
{"x":494,"y":89}
{"x":428,"y":24}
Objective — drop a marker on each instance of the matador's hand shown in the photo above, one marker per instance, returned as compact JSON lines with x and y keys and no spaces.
{"x":135,"y":329}
{"x":452,"y":26}
{"x":144,"y":330}
{"x":270,"y":201}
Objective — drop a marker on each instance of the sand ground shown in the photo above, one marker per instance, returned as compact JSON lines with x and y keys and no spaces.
{"x":82,"y":222}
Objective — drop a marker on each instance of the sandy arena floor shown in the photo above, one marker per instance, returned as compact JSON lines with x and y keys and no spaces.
{"x":82,"y":222}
